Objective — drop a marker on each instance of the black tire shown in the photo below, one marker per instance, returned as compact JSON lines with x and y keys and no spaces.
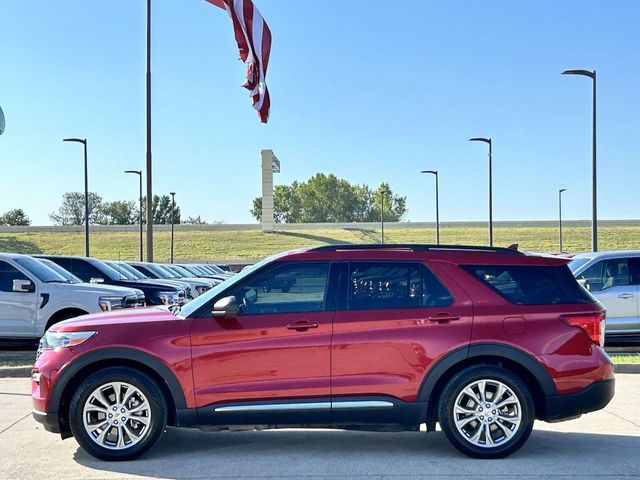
{"x":504,"y":445}
{"x":157,"y":408}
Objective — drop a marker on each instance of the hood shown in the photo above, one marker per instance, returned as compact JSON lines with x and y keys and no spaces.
{"x":106,"y":289}
{"x":129,"y":315}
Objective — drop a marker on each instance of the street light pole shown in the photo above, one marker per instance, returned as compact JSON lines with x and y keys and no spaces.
{"x":83,"y":141}
{"x":173,"y":209}
{"x":560,"y":214}
{"x":488,"y":141}
{"x":594,"y":184}
{"x":435,"y":173}
{"x":139,"y":173}
{"x":149,"y":166}
{"x":382,"y":216}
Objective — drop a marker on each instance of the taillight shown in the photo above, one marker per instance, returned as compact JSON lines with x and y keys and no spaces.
{"x":591,"y":323}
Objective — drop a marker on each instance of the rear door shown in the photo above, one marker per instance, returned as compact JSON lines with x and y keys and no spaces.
{"x":610,"y":282}
{"x":398,"y":318}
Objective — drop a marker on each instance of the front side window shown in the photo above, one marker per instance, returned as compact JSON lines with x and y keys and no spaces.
{"x":606,"y":274}
{"x":384,"y":285}
{"x":287,"y":288}
{"x":9,"y":273}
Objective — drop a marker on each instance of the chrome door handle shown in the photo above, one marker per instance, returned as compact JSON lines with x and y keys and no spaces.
{"x":626,"y":295}
{"x":302,"y":326}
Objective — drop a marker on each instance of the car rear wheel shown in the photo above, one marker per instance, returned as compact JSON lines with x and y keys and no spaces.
{"x":486,"y":412}
{"x":117,"y":413}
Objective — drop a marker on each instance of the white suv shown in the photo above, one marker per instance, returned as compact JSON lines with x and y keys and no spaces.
{"x":614,"y":279}
{"x":33,"y":296}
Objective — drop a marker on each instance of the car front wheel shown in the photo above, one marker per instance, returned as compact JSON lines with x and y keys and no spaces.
{"x":117,"y":413}
{"x":486,"y":412}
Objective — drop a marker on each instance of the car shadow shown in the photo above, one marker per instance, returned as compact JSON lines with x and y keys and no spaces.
{"x":189,"y":453}
{"x":9,"y":243}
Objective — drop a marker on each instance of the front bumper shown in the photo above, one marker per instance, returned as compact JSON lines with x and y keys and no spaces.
{"x":48,"y":420}
{"x":594,"y":397}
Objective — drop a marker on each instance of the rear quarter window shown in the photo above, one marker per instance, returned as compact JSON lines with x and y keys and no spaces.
{"x":531,"y":285}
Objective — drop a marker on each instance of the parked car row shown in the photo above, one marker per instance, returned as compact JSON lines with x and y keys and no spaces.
{"x":38,"y":291}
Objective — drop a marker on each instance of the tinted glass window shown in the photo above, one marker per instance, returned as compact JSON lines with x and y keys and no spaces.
{"x":634,"y":270}
{"x":84,"y":270}
{"x":60,"y":271}
{"x":296,"y":287}
{"x":532,"y":285}
{"x":8,"y":273}
{"x":41,"y":271}
{"x":607,"y":273}
{"x":382,"y":285}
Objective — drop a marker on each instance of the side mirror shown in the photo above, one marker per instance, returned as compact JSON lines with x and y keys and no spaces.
{"x":24,"y":286}
{"x":96,"y":280}
{"x":225,"y":307}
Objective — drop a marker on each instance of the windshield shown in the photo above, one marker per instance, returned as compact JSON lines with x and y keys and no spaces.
{"x":105,"y":269}
{"x":214,"y":269}
{"x":194,"y":270}
{"x":195,"y":304}
{"x":71,"y":278}
{"x":40,"y":270}
{"x":160,"y":271}
{"x":124,"y":273}
{"x":577,"y":262}
{"x":132,"y":271}
{"x":182,"y":271}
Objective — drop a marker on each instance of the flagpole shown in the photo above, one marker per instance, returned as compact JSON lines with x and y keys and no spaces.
{"x":149,"y":166}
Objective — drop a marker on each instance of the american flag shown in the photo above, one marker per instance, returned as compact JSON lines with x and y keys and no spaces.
{"x":254,"y":41}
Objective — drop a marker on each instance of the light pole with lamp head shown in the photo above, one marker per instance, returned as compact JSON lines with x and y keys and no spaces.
{"x":488,"y":141}
{"x":173,"y":209}
{"x":83,"y":141}
{"x":139,"y":173}
{"x":560,"y":214}
{"x":435,"y":173}
{"x":594,"y":184}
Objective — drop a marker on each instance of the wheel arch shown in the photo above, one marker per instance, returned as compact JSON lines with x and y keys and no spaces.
{"x":519,"y":362}
{"x":63,"y":314}
{"x":73,"y":375}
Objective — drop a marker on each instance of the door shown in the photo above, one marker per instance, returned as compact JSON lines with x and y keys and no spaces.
{"x":275,"y":352}
{"x":398,"y":319}
{"x":610,"y":282}
{"x":17,"y":309}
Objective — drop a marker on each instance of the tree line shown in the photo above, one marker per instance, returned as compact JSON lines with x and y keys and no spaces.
{"x":118,"y":212}
{"x":329,"y":199}
{"x":15,"y":218}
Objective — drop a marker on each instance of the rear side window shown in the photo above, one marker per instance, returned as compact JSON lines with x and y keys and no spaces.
{"x":531,"y":285}
{"x":384,"y":285}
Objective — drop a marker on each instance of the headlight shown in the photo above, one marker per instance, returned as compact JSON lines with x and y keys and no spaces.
{"x":53,"y":340}
{"x":168,"y":298}
{"x":110,"y":303}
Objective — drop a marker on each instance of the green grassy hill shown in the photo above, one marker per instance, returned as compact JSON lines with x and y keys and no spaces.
{"x":227,"y":243}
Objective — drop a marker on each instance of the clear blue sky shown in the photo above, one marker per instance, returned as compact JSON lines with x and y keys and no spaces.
{"x":369,"y":90}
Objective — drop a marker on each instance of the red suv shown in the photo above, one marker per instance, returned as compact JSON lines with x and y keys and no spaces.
{"x":369,"y":337}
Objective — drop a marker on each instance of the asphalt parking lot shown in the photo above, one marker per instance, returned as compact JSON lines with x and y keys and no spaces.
{"x":603,"y":444}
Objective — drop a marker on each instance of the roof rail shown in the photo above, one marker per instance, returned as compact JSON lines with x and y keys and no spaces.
{"x":416,"y":247}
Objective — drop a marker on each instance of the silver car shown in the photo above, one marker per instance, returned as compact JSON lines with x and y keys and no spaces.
{"x":614,"y":279}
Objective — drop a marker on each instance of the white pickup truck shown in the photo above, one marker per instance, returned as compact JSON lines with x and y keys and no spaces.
{"x":34,"y":296}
